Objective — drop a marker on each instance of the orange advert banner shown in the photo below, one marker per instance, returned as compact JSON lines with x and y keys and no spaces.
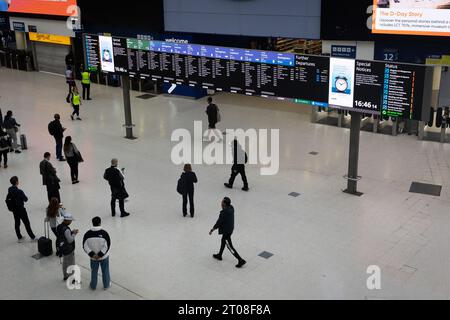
{"x":47,"y":7}
{"x":412,"y":17}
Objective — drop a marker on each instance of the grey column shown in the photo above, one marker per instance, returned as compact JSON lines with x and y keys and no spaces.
{"x":127,"y":106}
{"x":352,"y":177}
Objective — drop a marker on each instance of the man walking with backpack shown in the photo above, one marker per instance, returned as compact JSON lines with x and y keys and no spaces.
{"x":49,"y":178}
{"x":15,"y":202}
{"x":65,"y":244}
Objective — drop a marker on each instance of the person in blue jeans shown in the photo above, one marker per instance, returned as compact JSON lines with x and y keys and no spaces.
{"x":96,"y":243}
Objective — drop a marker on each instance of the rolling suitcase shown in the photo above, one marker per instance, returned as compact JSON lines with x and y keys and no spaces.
{"x":439,"y":118}
{"x":431,"y":121}
{"x":45,"y":245}
{"x":23,"y":142}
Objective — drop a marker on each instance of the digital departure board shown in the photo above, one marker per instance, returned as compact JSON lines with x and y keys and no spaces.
{"x":92,"y":51}
{"x":376,"y":87}
{"x":403,"y":91}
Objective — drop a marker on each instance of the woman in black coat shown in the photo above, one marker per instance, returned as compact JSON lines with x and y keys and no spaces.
{"x":188,"y":178}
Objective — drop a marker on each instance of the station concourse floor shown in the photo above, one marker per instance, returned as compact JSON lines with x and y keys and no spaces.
{"x":322,"y":241}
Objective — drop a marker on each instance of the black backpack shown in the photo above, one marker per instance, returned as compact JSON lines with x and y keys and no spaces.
{"x":62,"y":247}
{"x":11,"y":203}
{"x":181,"y":185}
{"x":4,"y":143}
{"x":51,"y":128}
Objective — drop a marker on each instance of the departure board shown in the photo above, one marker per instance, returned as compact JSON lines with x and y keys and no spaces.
{"x":392,"y":89}
{"x":92,"y":51}
{"x":403,"y":91}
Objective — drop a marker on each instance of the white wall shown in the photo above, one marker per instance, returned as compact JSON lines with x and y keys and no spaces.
{"x":45,"y":26}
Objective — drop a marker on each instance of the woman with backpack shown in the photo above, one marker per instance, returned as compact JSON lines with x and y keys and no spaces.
{"x":73,"y":157}
{"x":5,"y":145}
{"x":186,"y":189}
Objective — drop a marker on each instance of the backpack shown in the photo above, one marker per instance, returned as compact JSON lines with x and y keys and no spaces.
{"x":62,"y":247}
{"x":4,"y":143}
{"x":181,"y":185}
{"x":11,"y":203}
{"x":51,"y":129}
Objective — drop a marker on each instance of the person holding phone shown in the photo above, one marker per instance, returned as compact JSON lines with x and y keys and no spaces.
{"x":115,"y":178}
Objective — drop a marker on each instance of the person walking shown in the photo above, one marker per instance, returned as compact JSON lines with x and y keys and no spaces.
{"x":225,"y":225}
{"x":86,"y":84}
{"x":116,"y":179}
{"x":76,"y":103}
{"x":15,"y":201}
{"x":96,"y":243}
{"x":213,"y":118}
{"x":55,"y":211}
{"x":187,"y":180}
{"x":66,"y":243}
{"x":70,"y":80}
{"x":12,"y":127}
{"x":240,"y":158}
{"x":73,"y":157}
{"x":49,"y":178}
{"x":57,"y":131}
{"x":5,"y":145}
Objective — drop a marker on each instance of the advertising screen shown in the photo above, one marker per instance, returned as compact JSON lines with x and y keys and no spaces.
{"x":106,"y":54}
{"x":47,"y":7}
{"x":413,"y":17}
{"x":342,"y":79}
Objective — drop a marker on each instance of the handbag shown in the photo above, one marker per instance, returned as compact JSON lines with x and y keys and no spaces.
{"x":78,"y":157}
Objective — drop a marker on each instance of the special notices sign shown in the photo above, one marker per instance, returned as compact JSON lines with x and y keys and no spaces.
{"x":412,"y":17}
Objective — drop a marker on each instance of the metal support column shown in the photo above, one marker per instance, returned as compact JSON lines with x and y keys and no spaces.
{"x":352,"y":177}
{"x":127,"y":106}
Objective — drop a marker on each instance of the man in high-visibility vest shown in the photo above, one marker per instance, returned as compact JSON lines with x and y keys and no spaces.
{"x":86,"y":83}
{"x":76,"y":102}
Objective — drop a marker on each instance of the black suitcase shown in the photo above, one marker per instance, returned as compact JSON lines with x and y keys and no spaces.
{"x":431,"y":121}
{"x":45,"y":245}
{"x":439,"y":118}
{"x":23,"y":142}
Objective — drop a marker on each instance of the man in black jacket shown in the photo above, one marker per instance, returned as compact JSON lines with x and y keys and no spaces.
{"x":49,"y":178}
{"x":225,"y":224}
{"x":116,"y":179}
{"x":240,"y":158}
{"x":19,"y":198}
{"x":57,"y":131}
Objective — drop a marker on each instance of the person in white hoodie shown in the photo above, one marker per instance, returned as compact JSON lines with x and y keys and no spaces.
{"x":96,"y":243}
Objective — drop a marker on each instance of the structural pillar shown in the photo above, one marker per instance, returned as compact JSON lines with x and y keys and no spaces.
{"x":352,"y":177}
{"x":127,"y":106}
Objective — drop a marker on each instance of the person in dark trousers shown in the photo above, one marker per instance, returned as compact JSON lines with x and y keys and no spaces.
{"x":73,"y":157}
{"x":225,"y":225}
{"x":96,"y":243}
{"x":188,"y":179}
{"x":19,"y":198}
{"x":49,"y":178}
{"x":240,"y":158}
{"x":70,"y":79}
{"x":5,"y":145}
{"x":76,"y":103}
{"x":116,"y":179}
{"x":57,"y":131}
{"x":12,"y":127}
{"x":86,"y":83}
{"x":213,"y":117}
{"x":67,"y":237}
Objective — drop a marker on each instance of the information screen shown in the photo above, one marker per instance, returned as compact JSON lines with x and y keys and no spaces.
{"x":413,"y":17}
{"x":92,"y":50}
{"x":342,"y":79}
{"x":402,"y":91}
{"x":106,"y":54}
{"x":120,"y":55}
{"x":375,"y":87}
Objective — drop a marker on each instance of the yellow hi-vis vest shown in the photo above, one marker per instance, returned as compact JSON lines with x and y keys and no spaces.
{"x":76,"y":100}
{"x":85,"y":78}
